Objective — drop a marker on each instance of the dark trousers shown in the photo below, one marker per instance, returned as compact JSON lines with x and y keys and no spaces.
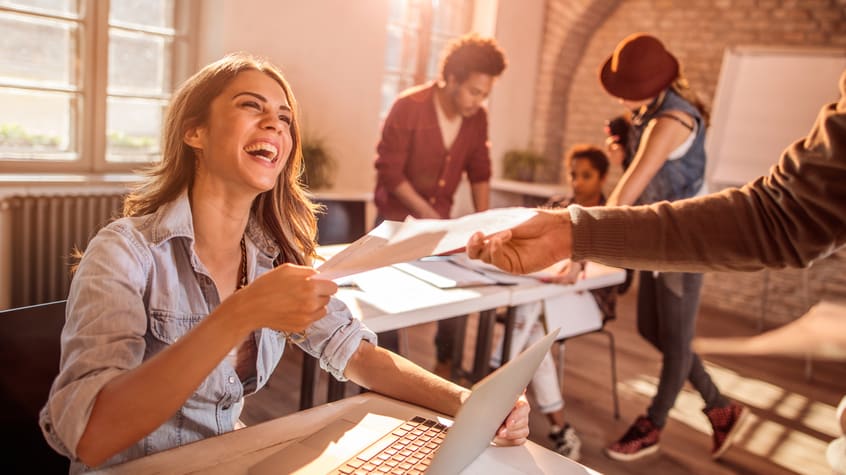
{"x":445,"y":338}
{"x":389,"y":340}
{"x":666,"y":317}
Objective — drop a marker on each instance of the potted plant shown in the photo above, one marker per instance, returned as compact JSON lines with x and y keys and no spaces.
{"x":521,"y":164}
{"x":318,"y":164}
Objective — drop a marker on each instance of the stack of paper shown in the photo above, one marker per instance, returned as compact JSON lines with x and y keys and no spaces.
{"x":393,"y":242}
{"x":443,"y":274}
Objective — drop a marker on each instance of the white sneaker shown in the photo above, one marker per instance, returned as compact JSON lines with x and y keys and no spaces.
{"x":567,"y":443}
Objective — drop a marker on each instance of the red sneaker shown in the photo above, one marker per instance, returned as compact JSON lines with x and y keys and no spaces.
{"x":639,"y":441}
{"x":726,"y":422}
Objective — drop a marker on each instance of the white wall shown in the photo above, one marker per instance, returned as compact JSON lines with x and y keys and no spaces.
{"x":5,"y":257}
{"x":519,"y":31}
{"x":331,"y":51}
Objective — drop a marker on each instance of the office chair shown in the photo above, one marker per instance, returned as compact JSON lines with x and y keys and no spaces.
{"x":342,"y":222}
{"x":602,"y":315}
{"x":613,"y":354}
{"x":30,"y":349}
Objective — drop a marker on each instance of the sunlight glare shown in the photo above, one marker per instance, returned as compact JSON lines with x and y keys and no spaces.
{"x":794,"y":450}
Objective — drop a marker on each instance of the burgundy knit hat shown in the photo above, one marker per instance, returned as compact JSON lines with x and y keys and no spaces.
{"x":640,"y":68}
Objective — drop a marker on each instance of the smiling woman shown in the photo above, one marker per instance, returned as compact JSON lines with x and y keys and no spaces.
{"x":250,"y":120}
{"x":191,"y":299}
{"x":217,"y":214}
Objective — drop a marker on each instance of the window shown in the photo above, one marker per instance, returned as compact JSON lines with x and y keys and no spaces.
{"x":418,"y":30}
{"x":84,"y":83}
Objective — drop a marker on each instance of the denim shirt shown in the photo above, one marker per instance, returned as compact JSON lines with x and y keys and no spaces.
{"x":680,"y":178}
{"x":138,"y":289}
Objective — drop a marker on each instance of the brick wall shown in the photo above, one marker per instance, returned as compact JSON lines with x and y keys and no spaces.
{"x":570,"y":105}
{"x":569,"y":27}
{"x":771,"y":298}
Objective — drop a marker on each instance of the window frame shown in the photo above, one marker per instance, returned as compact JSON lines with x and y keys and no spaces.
{"x":425,"y":35}
{"x":88,"y":129}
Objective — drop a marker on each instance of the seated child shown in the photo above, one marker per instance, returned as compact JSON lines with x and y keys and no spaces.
{"x":588,"y":167}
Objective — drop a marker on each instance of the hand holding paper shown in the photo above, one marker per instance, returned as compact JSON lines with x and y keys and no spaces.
{"x":528,"y":247}
{"x":393,"y":242}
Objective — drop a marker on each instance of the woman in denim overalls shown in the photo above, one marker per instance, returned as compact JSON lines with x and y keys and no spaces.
{"x":667,"y":145}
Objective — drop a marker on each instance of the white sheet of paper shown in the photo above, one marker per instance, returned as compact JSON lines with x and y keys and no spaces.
{"x":574,"y":313}
{"x":393,"y":242}
{"x":459,"y":230}
{"x":444,"y":274}
{"x":490,"y":270}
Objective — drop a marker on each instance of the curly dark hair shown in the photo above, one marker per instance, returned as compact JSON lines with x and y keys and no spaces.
{"x":470,"y":54}
{"x":595,"y":155}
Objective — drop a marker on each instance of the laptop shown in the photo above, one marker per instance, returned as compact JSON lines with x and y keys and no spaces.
{"x":448,"y":450}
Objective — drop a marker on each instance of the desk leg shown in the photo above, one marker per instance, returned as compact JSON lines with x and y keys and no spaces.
{"x":508,"y":334}
{"x":484,"y":341}
{"x":459,"y":333}
{"x":336,"y":390}
{"x":308,"y":381}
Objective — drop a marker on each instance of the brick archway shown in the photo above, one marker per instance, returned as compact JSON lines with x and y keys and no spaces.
{"x":568,"y":28}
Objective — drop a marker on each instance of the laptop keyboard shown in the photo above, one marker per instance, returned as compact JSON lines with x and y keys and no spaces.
{"x":407,"y":450}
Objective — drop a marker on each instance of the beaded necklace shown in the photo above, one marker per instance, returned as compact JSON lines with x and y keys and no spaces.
{"x":242,"y":278}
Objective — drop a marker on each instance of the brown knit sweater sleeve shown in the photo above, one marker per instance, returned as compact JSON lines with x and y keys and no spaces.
{"x":791,"y":217}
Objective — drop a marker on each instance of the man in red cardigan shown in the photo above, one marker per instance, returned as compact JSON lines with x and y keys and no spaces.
{"x":433,"y":134}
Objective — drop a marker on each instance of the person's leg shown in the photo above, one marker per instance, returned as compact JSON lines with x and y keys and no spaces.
{"x":647,"y":312}
{"x":545,"y":381}
{"x":445,"y":338}
{"x":726,"y":417}
{"x":547,"y":394}
{"x":697,"y":376}
{"x":389,"y":340}
{"x":526,"y":316}
{"x":676,"y":325}
{"x":641,"y":439}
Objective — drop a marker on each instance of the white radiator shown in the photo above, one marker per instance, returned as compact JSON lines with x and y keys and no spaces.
{"x":44,"y":232}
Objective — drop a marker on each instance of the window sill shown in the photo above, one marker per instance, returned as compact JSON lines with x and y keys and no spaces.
{"x":27,"y":179}
{"x":51,"y":183}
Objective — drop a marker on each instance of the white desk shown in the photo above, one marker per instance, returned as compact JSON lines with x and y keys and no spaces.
{"x":518,"y":193}
{"x":597,"y":276}
{"x":528,"y":289}
{"x":398,"y":300}
{"x":235,"y":452}
{"x":404,"y":300}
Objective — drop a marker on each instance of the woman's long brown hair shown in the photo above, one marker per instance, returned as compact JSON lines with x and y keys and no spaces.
{"x":285,"y":212}
{"x":681,"y":87}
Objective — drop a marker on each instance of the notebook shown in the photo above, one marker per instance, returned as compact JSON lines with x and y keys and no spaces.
{"x":458,"y":446}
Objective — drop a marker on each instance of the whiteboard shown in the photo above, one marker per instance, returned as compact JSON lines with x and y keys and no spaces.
{"x":766,"y":99}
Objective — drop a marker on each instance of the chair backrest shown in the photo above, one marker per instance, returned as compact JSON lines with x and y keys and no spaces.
{"x":30,"y":348}
{"x":343,"y":222}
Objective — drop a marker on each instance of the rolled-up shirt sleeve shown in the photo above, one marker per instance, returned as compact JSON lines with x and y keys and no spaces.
{"x":334,"y":338}
{"x":103,"y":335}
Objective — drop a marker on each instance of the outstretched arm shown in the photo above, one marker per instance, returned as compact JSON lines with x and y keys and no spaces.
{"x":531,"y":246}
{"x":789,"y":218}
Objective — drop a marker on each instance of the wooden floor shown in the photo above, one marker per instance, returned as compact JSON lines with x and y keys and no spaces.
{"x":793,"y":416}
